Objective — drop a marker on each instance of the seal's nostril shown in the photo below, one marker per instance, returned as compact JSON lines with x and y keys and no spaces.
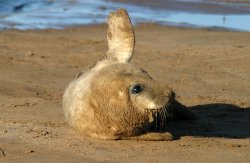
{"x":172,"y":96}
{"x":169,"y":97}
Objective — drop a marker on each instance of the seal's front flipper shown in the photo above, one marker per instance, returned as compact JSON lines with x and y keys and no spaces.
{"x":152,"y":136}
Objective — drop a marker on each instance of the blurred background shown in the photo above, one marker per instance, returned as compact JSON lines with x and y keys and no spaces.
{"x":58,"y":14}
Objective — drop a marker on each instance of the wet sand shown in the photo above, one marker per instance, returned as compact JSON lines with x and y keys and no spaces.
{"x":197,"y":6}
{"x":209,"y":71}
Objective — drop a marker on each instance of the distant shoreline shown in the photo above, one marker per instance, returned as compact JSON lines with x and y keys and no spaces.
{"x":195,"y":6}
{"x":28,"y":14}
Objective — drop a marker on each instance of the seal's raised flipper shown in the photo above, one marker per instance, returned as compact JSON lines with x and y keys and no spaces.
{"x":120,"y":36}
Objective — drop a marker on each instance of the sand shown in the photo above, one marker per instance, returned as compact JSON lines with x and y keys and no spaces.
{"x":209,"y":70}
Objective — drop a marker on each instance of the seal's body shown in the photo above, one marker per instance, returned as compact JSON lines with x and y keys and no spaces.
{"x":116,"y":100}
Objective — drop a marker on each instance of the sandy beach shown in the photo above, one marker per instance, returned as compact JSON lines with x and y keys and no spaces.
{"x":209,"y":70}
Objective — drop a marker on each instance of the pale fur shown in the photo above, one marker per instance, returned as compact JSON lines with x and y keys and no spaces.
{"x":99,"y":103}
{"x":120,"y":36}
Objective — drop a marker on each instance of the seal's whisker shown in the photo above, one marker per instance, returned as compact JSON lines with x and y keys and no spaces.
{"x":160,"y":112}
{"x":163,"y":119}
{"x":156,"y":119}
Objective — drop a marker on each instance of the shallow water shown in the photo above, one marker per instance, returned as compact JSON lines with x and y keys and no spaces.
{"x":43,"y":14}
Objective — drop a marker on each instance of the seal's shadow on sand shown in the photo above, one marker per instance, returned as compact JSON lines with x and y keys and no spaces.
{"x":214,"y":120}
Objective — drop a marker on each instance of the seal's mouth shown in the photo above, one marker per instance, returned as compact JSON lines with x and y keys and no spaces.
{"x":160,"y":116}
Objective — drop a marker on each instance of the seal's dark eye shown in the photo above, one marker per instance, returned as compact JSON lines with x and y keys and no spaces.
{"x":136,"y":89}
